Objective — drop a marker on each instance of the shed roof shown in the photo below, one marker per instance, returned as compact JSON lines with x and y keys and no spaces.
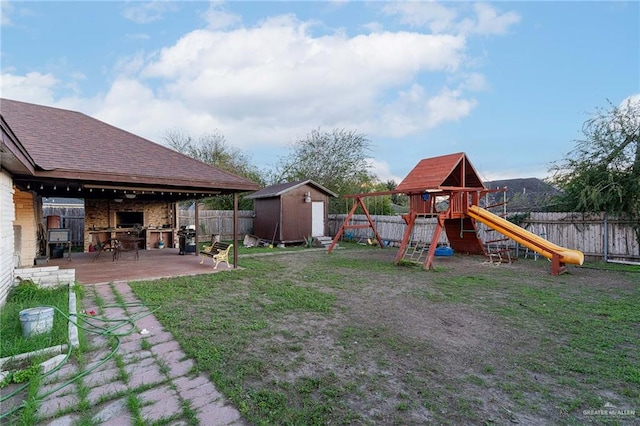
{"x":281,"y":188}
{"x":452,"y":170}
{"x":70,"y":145}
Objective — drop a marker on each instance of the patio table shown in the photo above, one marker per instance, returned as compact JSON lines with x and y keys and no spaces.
{"x":127,"y":243}
{"x":109,"y":245}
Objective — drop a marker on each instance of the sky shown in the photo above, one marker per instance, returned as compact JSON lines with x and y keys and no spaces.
{"x":509,"y":83}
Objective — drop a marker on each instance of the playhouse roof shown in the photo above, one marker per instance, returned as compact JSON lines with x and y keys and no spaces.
{"x":281,"y":188}
{"x":446,"y":171}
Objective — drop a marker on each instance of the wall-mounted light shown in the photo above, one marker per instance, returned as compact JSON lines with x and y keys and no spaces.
{"x":130,"y":195}
{"x":307,"y":197}
{"x":117,"y":200}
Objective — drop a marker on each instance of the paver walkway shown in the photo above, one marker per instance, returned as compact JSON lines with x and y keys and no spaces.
{"x":148,"y":377}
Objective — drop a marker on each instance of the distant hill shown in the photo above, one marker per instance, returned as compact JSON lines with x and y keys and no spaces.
{"x":526,"y":194}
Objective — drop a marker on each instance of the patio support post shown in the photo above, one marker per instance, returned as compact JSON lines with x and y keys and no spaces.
{"x":197,"y":220}
{"x":235,"y":230}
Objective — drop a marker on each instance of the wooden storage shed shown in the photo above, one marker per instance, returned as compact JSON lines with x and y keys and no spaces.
{"x":289,"y":212}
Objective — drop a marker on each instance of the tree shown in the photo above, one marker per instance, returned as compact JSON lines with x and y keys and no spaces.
{"x":400,"y":200}
{"x":602,"y":173}
{"x":212,"y":148}
{"x":336,"y":160}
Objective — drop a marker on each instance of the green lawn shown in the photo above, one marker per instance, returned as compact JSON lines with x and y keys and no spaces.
{"x":28,"y":295}
{"x":313,"y":338}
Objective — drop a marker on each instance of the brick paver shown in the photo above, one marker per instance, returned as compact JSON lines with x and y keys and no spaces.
{"x":157,"y":377}
{"x":162,"y":403}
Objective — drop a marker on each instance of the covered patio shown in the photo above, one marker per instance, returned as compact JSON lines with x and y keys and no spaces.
{"x":131,"y":188}
{"x":152,"y":264}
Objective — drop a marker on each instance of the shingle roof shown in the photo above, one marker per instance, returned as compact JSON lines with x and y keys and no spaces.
{"x":452,"y":170}
{"x":281,"y":188}
{"x":70,"y":144}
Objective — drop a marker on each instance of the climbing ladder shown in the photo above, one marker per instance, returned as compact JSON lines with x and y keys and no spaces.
{"x":416,"y":252}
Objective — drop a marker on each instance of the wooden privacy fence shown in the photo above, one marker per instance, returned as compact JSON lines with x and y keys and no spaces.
{"x":390,"y":228}
{"x":217,"y":222}
{"x":596,"y":235}
{"x":70,"y":218}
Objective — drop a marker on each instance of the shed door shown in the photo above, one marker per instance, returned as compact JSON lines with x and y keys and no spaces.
{"x":317,"y":219}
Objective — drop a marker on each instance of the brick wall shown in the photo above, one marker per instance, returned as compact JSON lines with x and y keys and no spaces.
{"x":46,"y":276}
{"x":26,"y":218}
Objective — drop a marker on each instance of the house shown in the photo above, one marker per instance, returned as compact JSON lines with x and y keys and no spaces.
{"x":291,"y":212}
{"x":124,"y":180}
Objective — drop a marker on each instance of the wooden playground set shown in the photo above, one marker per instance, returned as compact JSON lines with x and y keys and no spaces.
{"x":449,"y":189}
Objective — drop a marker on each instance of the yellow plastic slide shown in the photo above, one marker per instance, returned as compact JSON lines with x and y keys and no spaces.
{"x":524,"y":237}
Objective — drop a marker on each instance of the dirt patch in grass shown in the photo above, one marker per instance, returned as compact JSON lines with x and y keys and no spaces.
{"x":374,"y":343}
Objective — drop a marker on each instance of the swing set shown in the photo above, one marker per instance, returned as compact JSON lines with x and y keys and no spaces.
{"x":449,"y":189}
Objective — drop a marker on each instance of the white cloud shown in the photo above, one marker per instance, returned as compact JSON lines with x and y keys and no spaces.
{"x":474,"y":82}
{"x":374,"y":27}
{"x":435,"y":16}
{"x":145,"y":12}
{"x":415,"y":111}
{"x":489,"y":21}
{"x":6,"y":8}
{"x":276,"y":76}
{"x":217,"y":18}
{"x":633,"y":99}
{"x":383,"y":171}
{"x":32,"y":87}
{"x":440,"y":18}
{"x":269,"y":84}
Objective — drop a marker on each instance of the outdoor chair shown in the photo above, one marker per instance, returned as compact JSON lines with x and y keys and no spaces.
{"x":218,"y":252}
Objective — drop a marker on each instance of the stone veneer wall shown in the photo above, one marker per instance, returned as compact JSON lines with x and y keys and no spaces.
{"x":102,"y":213}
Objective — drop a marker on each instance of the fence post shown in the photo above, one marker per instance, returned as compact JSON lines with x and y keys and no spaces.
{"x":605,"y":250}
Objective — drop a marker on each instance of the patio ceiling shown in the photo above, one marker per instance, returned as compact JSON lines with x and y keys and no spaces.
{"x":53,"y":188}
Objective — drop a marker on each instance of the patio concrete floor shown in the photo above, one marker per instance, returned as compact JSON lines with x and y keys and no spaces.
{"x":151,"y":264}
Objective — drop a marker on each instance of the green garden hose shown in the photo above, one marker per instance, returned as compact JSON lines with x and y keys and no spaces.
{"x":111,"y":331}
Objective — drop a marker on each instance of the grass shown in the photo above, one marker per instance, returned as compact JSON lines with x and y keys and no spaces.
{"x":316,"y":340}
{"x":29,"y":295}
{"x":25,"y":379}
{"x":258,"y":250}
